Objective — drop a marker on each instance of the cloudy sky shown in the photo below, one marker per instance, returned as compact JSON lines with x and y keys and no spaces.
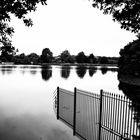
{"x":70,"y":24}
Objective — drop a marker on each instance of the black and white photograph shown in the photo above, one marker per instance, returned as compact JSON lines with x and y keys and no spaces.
{"x":69,"y":70}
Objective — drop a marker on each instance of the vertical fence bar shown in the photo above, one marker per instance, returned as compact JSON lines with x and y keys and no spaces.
{"x":74,"y":113}
{"x":126,"y":118}
{"x":100,"y":115}
{"x":57,"y":102}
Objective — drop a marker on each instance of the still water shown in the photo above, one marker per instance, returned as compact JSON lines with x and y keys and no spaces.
{"x":26,"y":98}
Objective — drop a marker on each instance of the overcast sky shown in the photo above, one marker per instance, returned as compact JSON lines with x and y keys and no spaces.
{"x":70,"y":24}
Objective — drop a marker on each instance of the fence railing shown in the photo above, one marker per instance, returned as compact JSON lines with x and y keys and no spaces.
{"x":103,"y":116}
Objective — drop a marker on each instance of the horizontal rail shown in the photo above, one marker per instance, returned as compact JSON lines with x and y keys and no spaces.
{"x":66,"y":91}
{"x":90,"y":94}
{"x":79,"y":135}
{"x":66,"y":122}
{"x":117,"y":98}
{"x":114,"y":132}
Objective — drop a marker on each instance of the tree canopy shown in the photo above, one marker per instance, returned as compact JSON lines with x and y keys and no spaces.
{"x":7,"y":52}
{"x":65,"y":56}
{"x":81,"y":57}
{"x":129,"y":62}
{"x":126,"y":12}
{"x":18,"y":8}
{"x":46,"y":56}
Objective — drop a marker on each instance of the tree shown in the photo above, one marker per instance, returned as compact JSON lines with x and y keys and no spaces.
{"x":129,"y":61}
{"x":126,"y":12}
{"x":91,"y":59}
{"x":21,"y":59}
{"x":81,"y":58}
{"x":46,"y":56}
{"x":103,"y":60}
{"x":64,"y":56}
{"x":33,"y":58}
{"x":7,"y":53}
{"x":18,"y":8}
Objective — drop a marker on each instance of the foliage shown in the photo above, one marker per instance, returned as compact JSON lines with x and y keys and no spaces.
{"x":66,"y":57}
{"x":103,"y":60}
{"x":21,"y":59}
{"x":46,"y":56}
{"x":7,"y":53}
{"x":91,"y":59}
{"x":129,"y":62}
{"x":113,"y":60}
{"x":126,"y":12}
{"x":81,"y":57}
{"x":18,"y":8}
{"x":33,"y":58}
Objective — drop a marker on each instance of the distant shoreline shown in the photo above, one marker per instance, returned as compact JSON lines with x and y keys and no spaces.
{"x":63,"y":64}
{"x":79,"y":64}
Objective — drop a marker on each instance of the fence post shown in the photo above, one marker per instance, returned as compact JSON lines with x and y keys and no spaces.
{"x":100,"y":115}
{"x":74,"y":113}
{"x":57,"y":102}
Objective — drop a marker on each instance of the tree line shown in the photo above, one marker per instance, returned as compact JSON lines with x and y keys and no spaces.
{"x":9,"y":54}
{"x":125,"y":12}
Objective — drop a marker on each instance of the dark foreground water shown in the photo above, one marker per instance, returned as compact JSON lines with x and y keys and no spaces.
{"x":26,"y":98}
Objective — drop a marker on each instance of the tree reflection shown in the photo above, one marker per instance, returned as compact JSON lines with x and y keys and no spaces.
{"x":133,"y":93}
{"x":104,"y":70}
{"x":92,"y":71}
{"x":46,"y":72}
{"x":33,"y":72}
{"x":113,"y":69}
{"x":65,"y":71}
{"x":6,"y":69}
{"x":81,"y":71}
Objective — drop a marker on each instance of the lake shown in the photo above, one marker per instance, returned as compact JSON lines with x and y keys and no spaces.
{"x":26,"y":98}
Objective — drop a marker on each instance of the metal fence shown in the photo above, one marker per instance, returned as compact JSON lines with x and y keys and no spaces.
{"x":103,"y":116}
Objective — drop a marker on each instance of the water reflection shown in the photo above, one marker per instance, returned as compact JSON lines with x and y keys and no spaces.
{"x":25,"y":108}
{"x":65,"y":71}
{"x":7,"y":69}
{"x":113,"y":69}
{"x":92,"y":71}
{"x":33,"y":69}
{"x":29,"y":68}
{"x":33,"y":72}
{"x":104,"y":70}
{"x":133,"y":93}
{"x":81,"y":71}
{"x":46,"y":72}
